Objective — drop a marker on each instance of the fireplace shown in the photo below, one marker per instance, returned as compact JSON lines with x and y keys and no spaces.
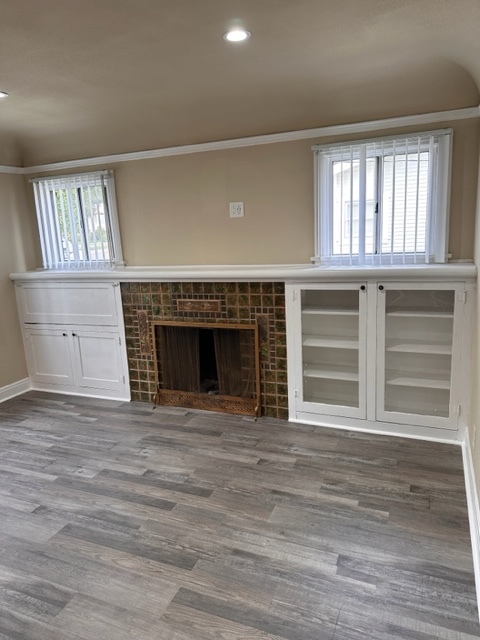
{"x":207,"y":365}
{"x":259,"y":303}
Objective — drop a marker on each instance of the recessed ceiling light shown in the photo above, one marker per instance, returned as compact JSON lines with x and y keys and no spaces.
{"x":237,"y":35}
{"x":3,"y":94}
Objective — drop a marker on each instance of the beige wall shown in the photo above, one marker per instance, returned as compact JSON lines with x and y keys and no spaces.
{"x":464,"y":188}
{"x":174,"y":210}
{"x":16,"y":254}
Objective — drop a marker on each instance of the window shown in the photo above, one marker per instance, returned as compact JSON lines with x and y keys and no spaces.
{"x":383,"y":201}
{"x":77,"y":219}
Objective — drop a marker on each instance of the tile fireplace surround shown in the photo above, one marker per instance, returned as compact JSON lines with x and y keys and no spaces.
{"x":244,"y":302}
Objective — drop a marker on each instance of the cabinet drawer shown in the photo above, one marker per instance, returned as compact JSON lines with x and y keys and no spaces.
{"x":68,"y":303}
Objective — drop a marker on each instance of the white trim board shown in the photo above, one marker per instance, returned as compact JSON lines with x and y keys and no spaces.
{"x":251,"y":141}
{"x":5,"y":168}
{"x":107,"y":395}
{"x":15,"y":389}
{"x":473,"y":510}
{"x":278,"y":273}
{"x":427,"y":434}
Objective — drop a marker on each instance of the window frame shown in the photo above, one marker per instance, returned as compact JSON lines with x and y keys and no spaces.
{"x":48,"y":216}
{"x":440,"y":148}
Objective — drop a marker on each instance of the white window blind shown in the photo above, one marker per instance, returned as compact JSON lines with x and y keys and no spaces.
{"x":383,"y":201}
{"x":78,"y":222}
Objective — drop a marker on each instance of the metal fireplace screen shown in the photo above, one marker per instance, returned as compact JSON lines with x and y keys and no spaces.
{"x":208,"y":366}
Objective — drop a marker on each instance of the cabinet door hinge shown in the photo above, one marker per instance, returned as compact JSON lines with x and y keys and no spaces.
{"x":119,"y":340}
{"x":294,"y":295}
{"x":456,"y":410}
{"x":296,"y":393}
{"x":123,"y":378}
{"x":462,"y":296}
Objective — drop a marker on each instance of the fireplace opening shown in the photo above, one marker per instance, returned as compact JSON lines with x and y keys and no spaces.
{"x":208,"y":363}
{"x":208,"y":366}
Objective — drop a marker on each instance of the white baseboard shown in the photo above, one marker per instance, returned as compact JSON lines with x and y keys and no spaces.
{"x":98,"y":395}
{"x":473,"y":509}
{"x":15,"y":389}
{"x":432,"y":434}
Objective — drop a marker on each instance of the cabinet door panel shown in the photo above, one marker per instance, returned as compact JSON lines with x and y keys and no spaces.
{"x":331,"y":367}
{"x":68,"y":303}
{"x":416,"y":350}
{"x":48,"y":356}
{"x":97,"y":360}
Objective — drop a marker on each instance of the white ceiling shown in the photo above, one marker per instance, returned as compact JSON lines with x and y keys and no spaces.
{"x":95,"y":77}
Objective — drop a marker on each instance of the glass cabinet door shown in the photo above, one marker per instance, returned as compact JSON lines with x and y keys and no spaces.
{"x":333,"y":350}
{"x":416,"y":342}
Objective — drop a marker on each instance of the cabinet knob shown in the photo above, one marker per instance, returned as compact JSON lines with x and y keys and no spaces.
{"x":381,"y":287}
{"x":363,"y":287}
{"x":74,"y":334}
{"x":64,"y":334}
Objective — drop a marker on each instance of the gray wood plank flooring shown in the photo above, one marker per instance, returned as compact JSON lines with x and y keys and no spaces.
{"x":126,"y":523}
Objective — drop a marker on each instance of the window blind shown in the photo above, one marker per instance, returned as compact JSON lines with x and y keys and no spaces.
{"x":384,"y":201}
{"x":74,"y":219}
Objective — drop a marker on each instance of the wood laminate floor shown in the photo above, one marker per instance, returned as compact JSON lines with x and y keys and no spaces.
{"x":126,"y":523}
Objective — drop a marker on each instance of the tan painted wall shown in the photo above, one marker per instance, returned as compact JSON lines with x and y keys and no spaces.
{"x":464,"y":188}
{"x":174,"y":210}
{"x":16,"y":254}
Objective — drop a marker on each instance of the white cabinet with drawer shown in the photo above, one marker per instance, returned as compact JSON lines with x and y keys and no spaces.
{"x":74,"y":338}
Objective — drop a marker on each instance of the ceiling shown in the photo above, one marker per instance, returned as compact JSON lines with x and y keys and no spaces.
{"x":108,"y":76}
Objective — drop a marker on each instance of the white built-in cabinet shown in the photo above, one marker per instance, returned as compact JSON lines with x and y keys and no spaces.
{"x":379,"y":355}
{"x":74,"y":338}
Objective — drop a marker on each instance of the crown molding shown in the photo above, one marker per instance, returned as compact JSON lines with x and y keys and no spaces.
{"x":5,"y":168}
{"x":251,"y":141}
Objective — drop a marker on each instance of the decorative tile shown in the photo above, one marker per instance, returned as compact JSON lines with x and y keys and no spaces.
{"x":243,"y":287}
{"x":144,"y":333}
{"x":211,"y":306}
{"x":207,"y":288}
{"x":267,"y":287}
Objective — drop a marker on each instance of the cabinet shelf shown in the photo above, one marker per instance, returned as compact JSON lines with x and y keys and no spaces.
{"x":330,"y":342}
{"x":419,"y":314}
{"x":421,"y":347}
{"x":330,"y":373}
{"x":339,"y":399}
{"x":426,"y":383}
{"x":325,"y":311}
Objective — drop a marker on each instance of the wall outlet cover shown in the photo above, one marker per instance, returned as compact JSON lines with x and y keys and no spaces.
{"x":236,"y":210}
